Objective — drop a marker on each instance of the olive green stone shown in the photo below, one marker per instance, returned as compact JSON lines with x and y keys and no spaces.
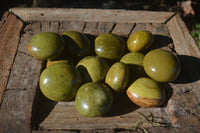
{"x":134,"y":60}
{"x":60,"y":82}
{"x":93,"y":99}
{"x":140,"y":40}
{"x":117,"y":76}
{"x":109,"y":46}
{"x":92,"y":68}
{"x":146,"y":92}
{"x":161,"y":65}
{"x":77,"y":44}
{"x":46,"y":45}
{"x":49,"y":63}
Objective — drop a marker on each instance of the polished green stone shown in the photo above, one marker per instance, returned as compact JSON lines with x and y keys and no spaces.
{"x":60,"y":82}
{"x":93,"y":99}
{"x":46,"y":45}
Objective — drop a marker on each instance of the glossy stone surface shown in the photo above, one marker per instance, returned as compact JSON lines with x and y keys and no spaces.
{"x":146,"y":92}
{"x":93,"y":99}
{"x":140,"y":40}
{"x":134,"y":60}
{"x":117,"y":76}
{"x":60,"y":82}
{"x":77,"y":44}
{"x":93,"y":68}
{"x":161,"y":65}
{"x":50,"y":63}
{"x":46,"y":45}
{"x":109,"y":46}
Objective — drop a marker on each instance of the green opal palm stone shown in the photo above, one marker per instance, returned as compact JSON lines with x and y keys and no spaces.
{"x":146,"y":92}
{"x":60,"y":82}
{"x":93,"y":99}
{"x":140,"y":40}
{"x":46,"y":45}
{"x":109,"y":46}
{"x":117,"y":76}
{"x":161,"y":65}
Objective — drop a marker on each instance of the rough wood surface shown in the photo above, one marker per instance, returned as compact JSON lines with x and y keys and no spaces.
{"x":123,"y":29}
{"x":184,"y":105}
{"x":16,"y":108}
{"x":24,"y":107}
{"x":91,"y":15}
{"x":10,"y":28}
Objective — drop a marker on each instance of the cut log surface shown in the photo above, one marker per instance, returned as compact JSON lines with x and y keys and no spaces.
{"x":24,"y":108}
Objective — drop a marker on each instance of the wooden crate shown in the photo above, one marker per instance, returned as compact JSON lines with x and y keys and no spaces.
{"x":24,"y":109}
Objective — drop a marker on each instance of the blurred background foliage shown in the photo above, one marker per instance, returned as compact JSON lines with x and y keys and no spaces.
{"x":188,"y":9}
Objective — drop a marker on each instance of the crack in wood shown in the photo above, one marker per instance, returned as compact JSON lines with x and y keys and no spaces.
{"x":131,"y":29}
{"x":114,"y":25}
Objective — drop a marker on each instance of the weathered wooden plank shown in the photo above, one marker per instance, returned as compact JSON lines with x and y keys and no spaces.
{"x":4,"y":18}
{"x":184,"y":43}
{"x":24,"y":40}
{"x":138,"y":27}
{"x":76,"y":131}
{"x":183,"y":106}
{"x":49,"y":26}
{"x":98,"y":131}
{"x":123,"y":29}
{"x":71,"y":26}
{"x":161,"y":130}
{"x":55,"y":131}
{"x":15,"y":111}
{"x":71,"y":119}
{"x":33,"y":28}
{"x":9,"y":34}
{"x":91,"y":15}
{"x":104,"y":27}
{"x":98,"y":28}
{"x":25,"y":72}
{"x":16,"y":108}
{"x":90,"y":28}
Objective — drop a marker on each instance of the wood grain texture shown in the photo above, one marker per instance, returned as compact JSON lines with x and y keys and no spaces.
{"x":97,"y":28}
{"x":91,"y":15}
{"x":123,"y":29}
{"x":183,"y":107}
{"x":185,"y":44}
{"x":10,"y":29}
{"x":16,"y":108}
{"x":71,"y":26}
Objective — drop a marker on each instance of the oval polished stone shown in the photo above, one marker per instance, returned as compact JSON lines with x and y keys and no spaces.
{"x":109,"y":46}
{"x":146,"y":92}
{"x":46,"y":45}
{"x":117,"y":76}
{"x":60,"y":82}
{"x":140,"y":40}
{"x":161,"y":65}
{"x":77,"y":44}
{"x":93,"y":99}
{"x":134,"y":60}
{"x":92,"y":68}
